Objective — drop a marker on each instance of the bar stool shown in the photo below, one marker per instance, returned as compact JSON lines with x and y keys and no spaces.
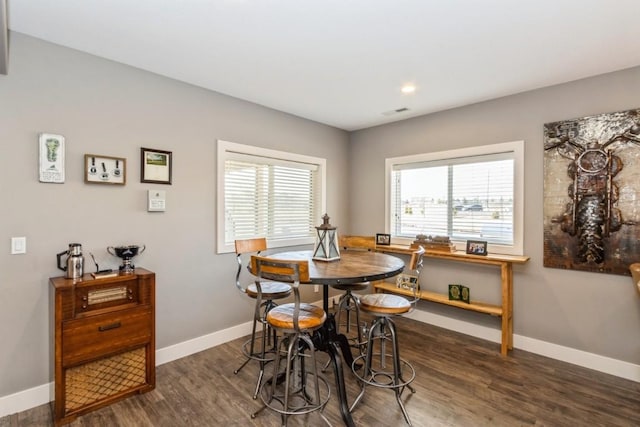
{"x":348,"y":302}
{"x":375,"y":371}
{"x":303,"y":390}
{"x":262,"y":345}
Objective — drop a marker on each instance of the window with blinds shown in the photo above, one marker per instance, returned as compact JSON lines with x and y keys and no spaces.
{"x":267,"y":193}
{"x":467,"y":194}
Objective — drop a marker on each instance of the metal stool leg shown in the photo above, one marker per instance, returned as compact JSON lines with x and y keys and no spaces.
{"x":253,"y":336}
{"x":397,"y":370}
{"x":383,"y":329}
{"x":299,"y":395}
{"x":249,"y":347}
{"x":348,"y":303}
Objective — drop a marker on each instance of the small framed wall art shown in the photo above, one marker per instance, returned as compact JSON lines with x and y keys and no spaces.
{"x":100,"y":169}
{"x":51,"y":149}
{"x":155,"y":166}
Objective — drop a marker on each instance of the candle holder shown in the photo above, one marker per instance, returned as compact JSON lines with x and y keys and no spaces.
{"x":326,"y":246}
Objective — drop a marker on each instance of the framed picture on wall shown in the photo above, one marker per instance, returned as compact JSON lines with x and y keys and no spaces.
{"x":51,"y":162}
{"x":155,"y":166}
{"x":100,"y":169}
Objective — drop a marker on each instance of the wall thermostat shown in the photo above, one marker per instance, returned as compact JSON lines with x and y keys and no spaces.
{"x":156,"y":200}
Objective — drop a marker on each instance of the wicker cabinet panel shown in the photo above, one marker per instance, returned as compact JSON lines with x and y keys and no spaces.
{"x":104,"y":378}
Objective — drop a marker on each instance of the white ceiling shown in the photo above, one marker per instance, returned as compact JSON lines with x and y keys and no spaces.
{"x":343,"y":62}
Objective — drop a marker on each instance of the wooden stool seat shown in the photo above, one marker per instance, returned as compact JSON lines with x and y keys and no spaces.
{"x":270,"y":290}
{"x":384,"y":304}
{"x":311,"y":317}
{"x":352,"y":287}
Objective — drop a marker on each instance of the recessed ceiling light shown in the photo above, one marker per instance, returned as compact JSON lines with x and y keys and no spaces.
{"x":408,"y":88}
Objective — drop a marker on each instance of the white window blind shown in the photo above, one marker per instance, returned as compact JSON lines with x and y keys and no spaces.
{"x":464,"y":194}
{"x":269,"y":194}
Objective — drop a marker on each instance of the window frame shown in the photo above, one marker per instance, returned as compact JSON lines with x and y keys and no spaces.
{"x":226,"y":150}
{"x":515,"y":147}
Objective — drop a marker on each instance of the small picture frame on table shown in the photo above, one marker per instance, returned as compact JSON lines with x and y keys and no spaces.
{"x":99,"y":169}
{"x":465,"y":294}
{"x":459,"y":292}
{"x":383,"y":239}
{"x":476,"y":247}
{"x":407,"y":282}
{"x":155,"y":166}
{"x":454,"y":292}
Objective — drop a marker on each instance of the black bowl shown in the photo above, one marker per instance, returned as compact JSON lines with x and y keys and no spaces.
{"x":126,"y":251}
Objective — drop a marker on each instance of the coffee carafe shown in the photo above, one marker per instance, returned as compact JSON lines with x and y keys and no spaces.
{"x":74,"y":264}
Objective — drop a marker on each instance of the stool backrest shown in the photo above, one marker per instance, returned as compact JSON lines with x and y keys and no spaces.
{"x":415,"y":264}
{"x":290,"y":271}
{"x":417,"y":259}
{"x":247,"y":246}
{"x":357,"y":242}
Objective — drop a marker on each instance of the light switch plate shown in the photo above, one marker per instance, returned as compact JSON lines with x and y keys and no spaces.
{"x":18,"y":245}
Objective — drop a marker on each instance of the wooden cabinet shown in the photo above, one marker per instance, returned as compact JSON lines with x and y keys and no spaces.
{"x":104,"y":340}
{"x":503,"y":310}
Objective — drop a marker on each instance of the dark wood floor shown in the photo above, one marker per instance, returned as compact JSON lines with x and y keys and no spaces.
{"x":461,"y":381}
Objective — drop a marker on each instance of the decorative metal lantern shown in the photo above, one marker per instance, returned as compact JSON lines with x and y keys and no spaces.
{"x":326,"y":247}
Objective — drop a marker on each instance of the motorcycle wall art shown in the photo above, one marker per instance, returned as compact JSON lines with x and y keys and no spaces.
{"x":591,"y":193}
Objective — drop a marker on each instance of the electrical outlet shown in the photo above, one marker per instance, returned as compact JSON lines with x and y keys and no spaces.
{"x":316,"y":288}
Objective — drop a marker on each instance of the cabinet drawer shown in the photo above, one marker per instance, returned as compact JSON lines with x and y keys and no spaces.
{"x":96,"y":336}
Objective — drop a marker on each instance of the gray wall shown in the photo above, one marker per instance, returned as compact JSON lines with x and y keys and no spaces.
{"x":106,"y":108}
{"x":597,"y":313}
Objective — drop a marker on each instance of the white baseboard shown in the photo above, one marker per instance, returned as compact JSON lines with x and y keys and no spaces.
{"x":195,"y":345}
{"x":26,"y":399}
{"x":593,"y":361}
{"x":42,"y":394}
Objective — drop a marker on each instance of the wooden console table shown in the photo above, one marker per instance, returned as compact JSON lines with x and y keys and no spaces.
{"x":104,"y":331}
{"x":504,"y":310}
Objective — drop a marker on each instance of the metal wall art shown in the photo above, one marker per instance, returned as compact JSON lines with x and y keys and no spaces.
{"x":591,"y":193}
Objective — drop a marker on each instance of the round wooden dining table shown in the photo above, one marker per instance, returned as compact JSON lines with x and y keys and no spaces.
{"x":352,"y":267}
